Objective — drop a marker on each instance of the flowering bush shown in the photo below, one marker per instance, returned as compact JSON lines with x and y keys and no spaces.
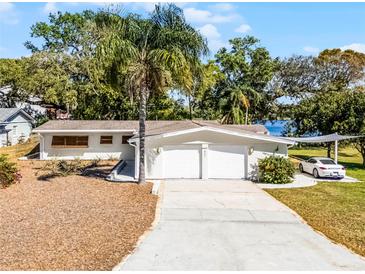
{"x":276,"y":170}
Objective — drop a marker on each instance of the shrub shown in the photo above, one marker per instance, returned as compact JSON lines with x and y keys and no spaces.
{"x":70,"y":167}
{"x":276,"y":170}
{"x":9,"y":173}
{"x":63,"y":168}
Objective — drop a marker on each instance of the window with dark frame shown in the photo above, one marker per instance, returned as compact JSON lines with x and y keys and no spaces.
{"x":125,"y":139}
{"x":106,"y":140}
{"x":70,"y":141}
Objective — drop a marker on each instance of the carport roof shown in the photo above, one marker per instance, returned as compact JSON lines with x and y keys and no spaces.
{"x":323,"y":138}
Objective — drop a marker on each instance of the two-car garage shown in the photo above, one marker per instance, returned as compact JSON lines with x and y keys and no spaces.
{"x":204,"y":161}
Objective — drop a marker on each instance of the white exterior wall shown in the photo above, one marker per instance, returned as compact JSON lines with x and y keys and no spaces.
{"x":23,"y":128}
{"x":261,"y":151}
{"x":95,"y":150}
{"x":154,"y":151}
{"x":2,"y":139}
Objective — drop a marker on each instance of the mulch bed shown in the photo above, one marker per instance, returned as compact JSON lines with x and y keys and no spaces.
{"x":71,"y":223}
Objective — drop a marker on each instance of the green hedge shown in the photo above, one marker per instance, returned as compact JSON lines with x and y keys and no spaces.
{"x":9,"y":173}
{"x":276,"y":170}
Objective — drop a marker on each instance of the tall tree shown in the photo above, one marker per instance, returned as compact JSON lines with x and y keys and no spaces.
{"x":64,"y":69}
{"x":309,"y":79}
{"x":203,"y":101}
{"x":151,"y":56}
{"x":12,"y":77}
{"x":247,"y":70}
{"x":333,"y":111}
{"x":338,"y":69}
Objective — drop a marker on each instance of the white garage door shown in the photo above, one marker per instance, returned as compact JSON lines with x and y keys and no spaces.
{"x":182,"y":161}
{"x":225,"y":161}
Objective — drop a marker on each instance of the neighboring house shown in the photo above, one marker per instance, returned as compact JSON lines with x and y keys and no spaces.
{"x":32,"y":103}
{"x":15,"y":126}
{"x":174,"y":149}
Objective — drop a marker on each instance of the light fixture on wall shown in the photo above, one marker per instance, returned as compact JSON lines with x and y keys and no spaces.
{"x":250,"y":150}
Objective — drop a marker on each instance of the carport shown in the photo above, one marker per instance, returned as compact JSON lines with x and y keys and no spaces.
{"x":325,"y":139}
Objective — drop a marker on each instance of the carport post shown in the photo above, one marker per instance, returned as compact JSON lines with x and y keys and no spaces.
{"x":336,"y":151}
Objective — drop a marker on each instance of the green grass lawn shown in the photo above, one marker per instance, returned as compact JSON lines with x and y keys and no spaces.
{"x":19,"y":150}
{"x":333,"y":208}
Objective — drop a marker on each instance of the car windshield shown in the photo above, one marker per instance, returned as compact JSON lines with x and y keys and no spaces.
{"x":327,"y":162}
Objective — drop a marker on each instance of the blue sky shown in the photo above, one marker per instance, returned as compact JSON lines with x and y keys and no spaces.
{"x":284,"y":28}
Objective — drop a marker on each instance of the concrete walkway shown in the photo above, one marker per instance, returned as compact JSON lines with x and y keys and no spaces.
{"x":300,"y":180}
{"x":306,"y":180}
{"x":233,"y":225}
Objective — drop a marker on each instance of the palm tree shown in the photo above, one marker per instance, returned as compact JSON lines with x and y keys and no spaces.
{"x":150,"y":55}
{"x":235,"y":107}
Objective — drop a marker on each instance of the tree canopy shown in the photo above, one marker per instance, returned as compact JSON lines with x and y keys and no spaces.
{"x":102,"y":64}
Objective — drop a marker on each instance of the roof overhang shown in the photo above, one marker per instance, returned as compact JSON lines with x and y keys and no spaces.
{"x":248,"y":135}
{"x":132,"y":131}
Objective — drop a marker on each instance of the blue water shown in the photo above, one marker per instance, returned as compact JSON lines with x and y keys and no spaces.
{"x":276,"y":128}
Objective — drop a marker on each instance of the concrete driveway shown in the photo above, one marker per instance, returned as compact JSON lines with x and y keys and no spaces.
{"x":232,"y":225}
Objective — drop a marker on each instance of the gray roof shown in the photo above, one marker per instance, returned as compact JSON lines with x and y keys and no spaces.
{"x":6,"y":113}
{"x":152,"y":127}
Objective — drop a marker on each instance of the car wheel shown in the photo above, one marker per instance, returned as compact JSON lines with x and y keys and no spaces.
{"x":301,"y":168}
{"x":315,"y":173}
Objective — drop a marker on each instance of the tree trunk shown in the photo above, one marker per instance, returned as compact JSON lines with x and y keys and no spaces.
{"x":142,"y":133}
{"x":329,"y":150}
{"x":190,"y":108}
{"x":360,"y":146}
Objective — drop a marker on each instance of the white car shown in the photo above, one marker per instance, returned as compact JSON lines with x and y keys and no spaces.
{"x":322,"y":167}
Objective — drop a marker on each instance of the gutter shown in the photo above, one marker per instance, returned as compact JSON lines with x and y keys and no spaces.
{"x":82,"y":130}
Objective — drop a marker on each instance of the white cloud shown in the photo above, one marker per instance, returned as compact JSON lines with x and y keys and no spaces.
{"x":181,"y":4}
{"x":8,"y":13}
{"x":355,"y":46}
{"x":209,"y":31}
{"x":147,"y":6}
{"x":223,"y":6}
{"x":72,"y":3}
{"x":216,"y":44}
{"x":213,"y":36}
{"x":50,"y":7}
{"x":311,"y":49}
{"x":243,"y":28}
{"x":6,"y":7}
{"x":205,"y":16}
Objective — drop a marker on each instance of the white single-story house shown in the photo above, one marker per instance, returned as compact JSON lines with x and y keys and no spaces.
{"x":15,"y":125}
{"x":174,"y":149}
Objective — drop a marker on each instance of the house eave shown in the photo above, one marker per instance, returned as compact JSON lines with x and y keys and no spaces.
{"x":255,"y":136}
{"x":83,"y":131}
